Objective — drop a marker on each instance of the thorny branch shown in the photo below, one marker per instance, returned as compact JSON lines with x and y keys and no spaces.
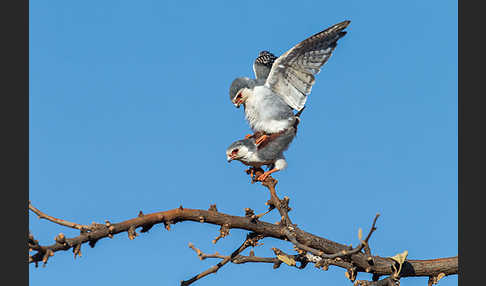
{"x":251,"y":240}
{"x":62,"y":222}
{"x":310,"y":248}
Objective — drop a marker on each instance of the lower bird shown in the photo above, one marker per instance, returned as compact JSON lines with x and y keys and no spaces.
{"x":269,"y":153}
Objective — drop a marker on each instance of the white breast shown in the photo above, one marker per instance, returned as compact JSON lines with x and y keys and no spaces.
{"x":261,"y":110}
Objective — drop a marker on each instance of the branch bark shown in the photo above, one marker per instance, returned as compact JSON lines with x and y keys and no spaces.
{"x":311,"y":248}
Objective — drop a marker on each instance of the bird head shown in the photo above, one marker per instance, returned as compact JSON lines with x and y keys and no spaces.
{"x":240,"y":150}
{"x":240,"y":90}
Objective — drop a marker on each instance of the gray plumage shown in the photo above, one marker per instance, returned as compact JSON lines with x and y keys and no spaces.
{"x":243,"y":82}
{"x":271,"y":155}
{"x":269,"y":106}
{"x":292,"y":74}
{"x":263,"y":64}
{"x":261,"y":68}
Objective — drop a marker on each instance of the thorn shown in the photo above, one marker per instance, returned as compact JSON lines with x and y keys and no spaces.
{"x":132,"y":233}
{"x":93,"y":242}
{"x":167,"y":225}
{"x":140,"y":214}
{"x":77,"y":250}
{"x":213,"y":208}
{"x":60,"y":238}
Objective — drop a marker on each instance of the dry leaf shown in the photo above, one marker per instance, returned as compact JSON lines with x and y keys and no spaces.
{"x":400,"y":258}
{"x":440,"y":276}
{"x":287,"y":260}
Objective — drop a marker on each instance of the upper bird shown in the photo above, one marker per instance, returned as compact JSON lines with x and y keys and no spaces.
{"x":270,"y":99}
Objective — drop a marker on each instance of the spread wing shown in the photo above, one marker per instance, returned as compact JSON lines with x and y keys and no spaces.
{"x":263,"y":64}
{"x":292,"y":74}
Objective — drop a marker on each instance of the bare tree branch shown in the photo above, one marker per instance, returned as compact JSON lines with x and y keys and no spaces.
{"x":251,"y":240}
{"x":311,"y":248}
{"x":62,"y":222}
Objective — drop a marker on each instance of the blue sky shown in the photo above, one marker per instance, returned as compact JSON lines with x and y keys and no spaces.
{"x":129,"y":111}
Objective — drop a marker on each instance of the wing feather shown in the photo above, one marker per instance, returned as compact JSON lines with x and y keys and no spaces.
{"x":263,"y":64}
{"x":292,"y":74}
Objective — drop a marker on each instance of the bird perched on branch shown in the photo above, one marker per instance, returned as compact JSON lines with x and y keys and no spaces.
{"x":268,"y":153}
{"x":256,"y":156}
{"x":269,"y":105}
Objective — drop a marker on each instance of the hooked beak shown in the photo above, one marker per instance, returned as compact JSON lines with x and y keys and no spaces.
{"x":229,"y":159}
{"x":237,"y":103}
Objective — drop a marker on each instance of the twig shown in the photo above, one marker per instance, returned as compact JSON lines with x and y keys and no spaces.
{"x":62,"y":222}
{"x":241,"y":259}
{"x":251,"y":239}
{"x":281,"y":205}
{"x":203,"y":256}
{"x":289,"y":232}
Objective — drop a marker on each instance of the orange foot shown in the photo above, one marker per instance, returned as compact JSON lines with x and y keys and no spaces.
{"x":251,"y":172}
{"x":265,"y":175}
{"x":248,"y":136}
{"x":261,"y":139}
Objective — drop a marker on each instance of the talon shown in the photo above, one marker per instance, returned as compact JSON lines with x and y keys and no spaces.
{"x":247,"y":136}
{"x":265,"y":175}
{"x":251,"y":171}
{"x":261,"y":139}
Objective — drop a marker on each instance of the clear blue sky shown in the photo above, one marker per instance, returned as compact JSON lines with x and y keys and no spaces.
{"x":129,"y":111}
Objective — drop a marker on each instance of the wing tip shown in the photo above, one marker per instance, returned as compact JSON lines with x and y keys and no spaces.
{"x":341,"y":26}
{"x":344,"y":23}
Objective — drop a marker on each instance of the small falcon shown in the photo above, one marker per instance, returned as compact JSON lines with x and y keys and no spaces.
{"x":269,"y":105}
{"x":269,"y":154}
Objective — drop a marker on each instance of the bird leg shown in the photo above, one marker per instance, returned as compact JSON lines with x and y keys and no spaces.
{"x":261,"y":139}
{"x":254,"y":135}
{"x":263,"y":176}
{"x":252,"y":171}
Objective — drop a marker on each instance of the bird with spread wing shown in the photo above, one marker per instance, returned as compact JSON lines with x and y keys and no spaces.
{"x":281,"y":86}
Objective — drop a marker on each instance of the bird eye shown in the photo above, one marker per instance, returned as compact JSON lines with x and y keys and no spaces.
{"x":234,"y":152}
{"x":238,"y":96}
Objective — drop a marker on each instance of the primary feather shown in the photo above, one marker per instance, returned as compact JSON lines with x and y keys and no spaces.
{"x":270,"y":99}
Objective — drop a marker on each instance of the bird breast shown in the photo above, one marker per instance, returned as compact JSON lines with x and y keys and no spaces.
{"x":267,"y":112}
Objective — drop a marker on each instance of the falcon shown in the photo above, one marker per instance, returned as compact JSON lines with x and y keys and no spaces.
{"x":270,"y":99}
{"x":256,"y":156}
